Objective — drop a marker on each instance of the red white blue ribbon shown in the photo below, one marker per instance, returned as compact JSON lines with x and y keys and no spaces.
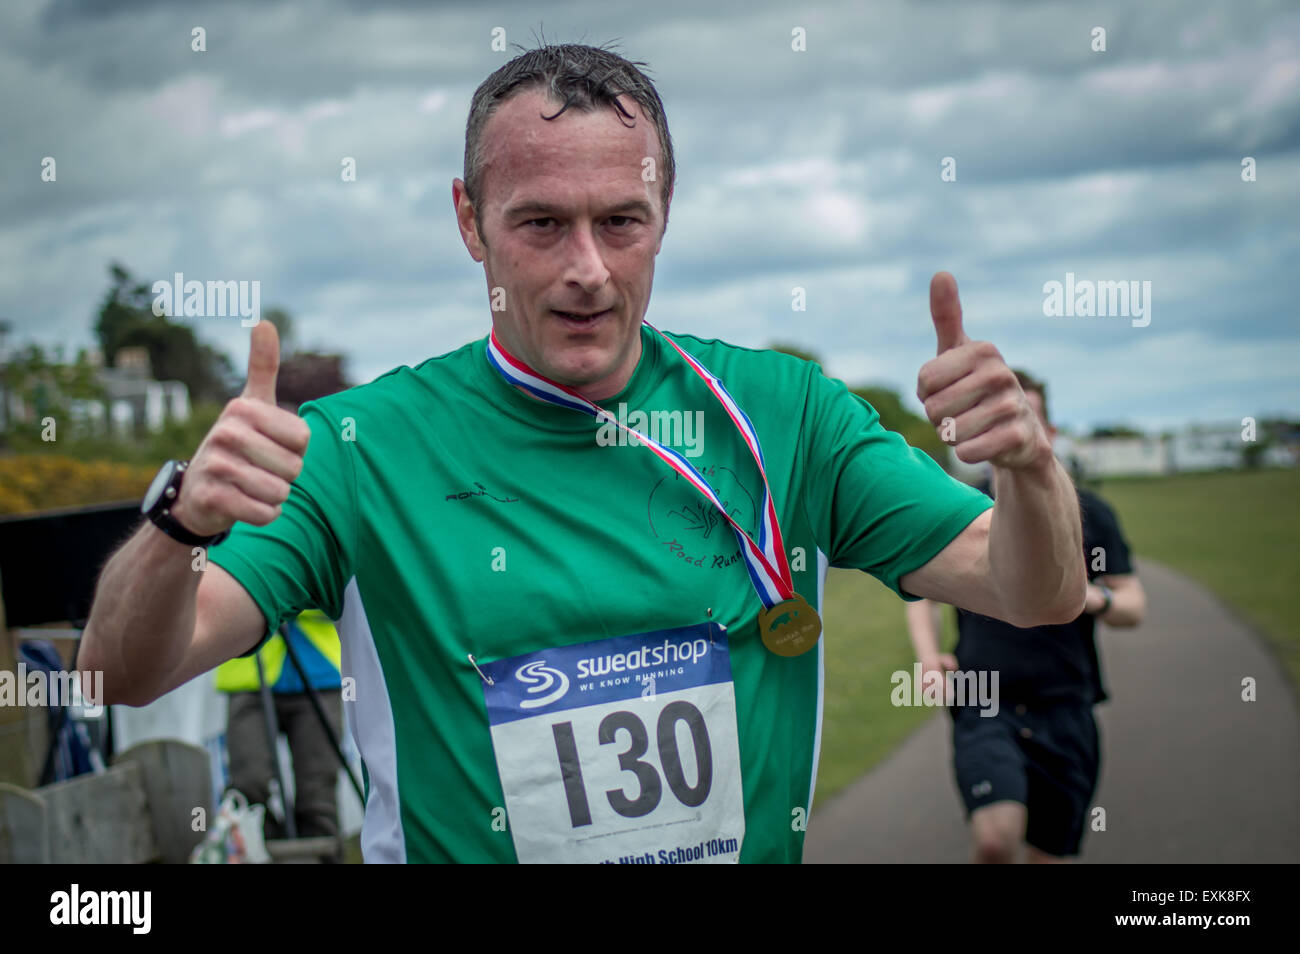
{"x":765,"y":559}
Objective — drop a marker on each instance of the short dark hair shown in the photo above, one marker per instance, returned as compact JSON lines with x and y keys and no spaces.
{"x":583,"y":77}
{"x":1030,"y":383}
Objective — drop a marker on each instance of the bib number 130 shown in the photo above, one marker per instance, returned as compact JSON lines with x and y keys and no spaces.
{"x":647,"y":786}
{"x":596,"y":769}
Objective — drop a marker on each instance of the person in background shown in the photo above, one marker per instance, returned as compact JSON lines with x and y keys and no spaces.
{"x":1027,"y":768}
{"x":315,"y":763}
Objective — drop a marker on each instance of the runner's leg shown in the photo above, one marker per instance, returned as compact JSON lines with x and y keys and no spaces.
{"x":990,"y":772}
{"x":997,"y":831}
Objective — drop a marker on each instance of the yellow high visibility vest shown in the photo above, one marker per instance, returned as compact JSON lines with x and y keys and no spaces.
{"x":240,"y":674}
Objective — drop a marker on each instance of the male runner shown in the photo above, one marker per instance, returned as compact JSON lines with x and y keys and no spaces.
{"x":555,"y":640}
{"x":1028,"y":770}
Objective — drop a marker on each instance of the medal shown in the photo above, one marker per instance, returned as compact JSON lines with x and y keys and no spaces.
{"x":790,"y":628}
{"x":788,"y":625}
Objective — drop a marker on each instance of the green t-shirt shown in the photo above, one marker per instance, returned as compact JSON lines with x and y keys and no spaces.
{"x":441,"y":513}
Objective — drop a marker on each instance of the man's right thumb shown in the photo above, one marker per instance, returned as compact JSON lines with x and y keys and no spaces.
{"x":263,"y":363}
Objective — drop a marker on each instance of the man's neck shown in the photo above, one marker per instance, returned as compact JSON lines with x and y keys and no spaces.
{"x":616,"y":382}
{"x":607,"y":387}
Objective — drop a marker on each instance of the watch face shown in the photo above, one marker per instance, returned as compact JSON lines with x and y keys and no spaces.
{"x":155,"y":490}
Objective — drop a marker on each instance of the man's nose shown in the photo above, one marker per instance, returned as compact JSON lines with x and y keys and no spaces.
{"x":586,"y":263}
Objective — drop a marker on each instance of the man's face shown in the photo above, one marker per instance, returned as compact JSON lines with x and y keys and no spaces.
{"x":572,"y":230}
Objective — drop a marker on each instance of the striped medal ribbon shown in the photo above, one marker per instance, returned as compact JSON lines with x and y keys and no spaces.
{"x":789,"y":626}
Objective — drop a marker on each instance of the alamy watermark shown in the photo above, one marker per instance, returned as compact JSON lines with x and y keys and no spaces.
{"x":1083,"y":298}
{"x":670,"y":428}
{"x":129,"y":908}
{"x":39,"y":689}
{"x":196,"y":299}
{"x":978,"y":688}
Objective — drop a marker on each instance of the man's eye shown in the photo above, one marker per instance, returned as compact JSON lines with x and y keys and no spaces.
{"x":621,"y":221}
{"x":536,"y":221}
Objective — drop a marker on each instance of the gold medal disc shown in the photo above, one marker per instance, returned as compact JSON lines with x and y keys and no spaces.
{"x":790,"y":628}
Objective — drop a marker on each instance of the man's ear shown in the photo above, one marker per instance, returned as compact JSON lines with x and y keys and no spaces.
{"x":467,"y":221}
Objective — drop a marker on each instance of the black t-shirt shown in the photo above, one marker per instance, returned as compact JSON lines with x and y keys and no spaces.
{"x":1049,"y":663}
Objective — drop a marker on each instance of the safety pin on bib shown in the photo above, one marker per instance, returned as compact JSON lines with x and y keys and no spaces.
{"x":474,"y":663}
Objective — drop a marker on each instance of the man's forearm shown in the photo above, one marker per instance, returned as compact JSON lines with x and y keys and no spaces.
{"x":1036,"y":546}
{"x":1126,"y":610}
{"x":921,"y":628}
{"x":142,"y":619}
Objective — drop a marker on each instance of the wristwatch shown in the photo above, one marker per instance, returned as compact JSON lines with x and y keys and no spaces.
{"x":1106,"y":592}
{"x":160,"y":496}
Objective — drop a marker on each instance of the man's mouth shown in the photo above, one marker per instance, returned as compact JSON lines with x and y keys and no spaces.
{"x":580,"y":319}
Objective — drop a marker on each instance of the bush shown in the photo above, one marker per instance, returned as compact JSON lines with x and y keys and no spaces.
{"x":30,"y":482}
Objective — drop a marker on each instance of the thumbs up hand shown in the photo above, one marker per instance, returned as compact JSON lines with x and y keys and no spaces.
{"x":243,"y":468}
{"x":263,"y":364}
{"x":972,"y":398}
{"x":945,"y":310}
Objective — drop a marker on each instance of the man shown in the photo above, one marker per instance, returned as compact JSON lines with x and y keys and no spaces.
{"x":1027,"y":767}
{"x":555,"y":639}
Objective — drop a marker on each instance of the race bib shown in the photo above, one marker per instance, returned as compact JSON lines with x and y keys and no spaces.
{"x":620,"y":750}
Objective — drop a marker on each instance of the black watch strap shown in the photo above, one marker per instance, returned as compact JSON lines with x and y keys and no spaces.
{"x":172,"y":527}
{"x":160,"y":514}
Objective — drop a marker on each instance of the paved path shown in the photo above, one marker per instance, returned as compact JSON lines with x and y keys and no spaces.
{"x":1190,"y":772}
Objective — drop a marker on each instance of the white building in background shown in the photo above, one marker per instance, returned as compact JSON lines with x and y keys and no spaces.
{"x":1201,"y":448}
{"x":136,"y":402}
{"x":1111,"y":456}
{"x":1207,"y":448}
{"x":133,"y":404}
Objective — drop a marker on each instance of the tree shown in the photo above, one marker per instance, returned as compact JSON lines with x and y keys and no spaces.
{"x":1116,"y":430}
{"x":126,"y":318}
{"x":305,"y":376}
{"x":47,"y":388}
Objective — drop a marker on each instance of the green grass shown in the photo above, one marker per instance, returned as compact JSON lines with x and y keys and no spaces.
{"x":866,"y":643}
{"x":1237,"y":533}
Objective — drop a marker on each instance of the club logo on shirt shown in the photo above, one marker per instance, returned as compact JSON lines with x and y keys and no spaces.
{"x":539,"y":678}
{"x":690,"y":528}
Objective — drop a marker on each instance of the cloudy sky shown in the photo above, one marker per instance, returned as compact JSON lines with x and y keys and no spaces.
{"x":818,"y":168}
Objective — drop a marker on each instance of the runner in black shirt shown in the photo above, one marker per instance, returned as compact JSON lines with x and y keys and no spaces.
{"x":1027,"y":766}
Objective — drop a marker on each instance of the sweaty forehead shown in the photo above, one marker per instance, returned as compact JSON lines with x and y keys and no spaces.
{"x":574,"y":151}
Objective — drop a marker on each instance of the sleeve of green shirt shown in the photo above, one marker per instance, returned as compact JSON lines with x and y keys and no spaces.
{"x":303,"y":558}
{"x":876,"y":503}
